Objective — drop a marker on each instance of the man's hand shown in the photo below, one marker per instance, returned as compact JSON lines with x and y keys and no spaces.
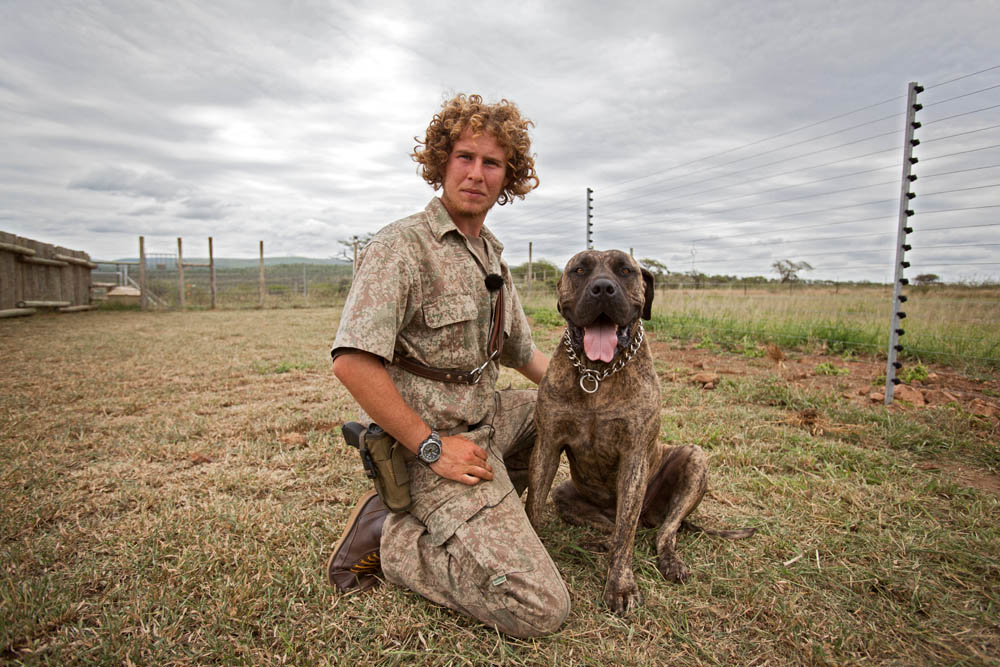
{"x":462,"y":461}
{"x":365,"y":377}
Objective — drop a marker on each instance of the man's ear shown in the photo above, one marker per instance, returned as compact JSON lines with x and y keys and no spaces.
{"x":647,"y":307}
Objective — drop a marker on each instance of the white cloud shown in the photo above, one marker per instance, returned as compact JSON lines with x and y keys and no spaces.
{"x":292,"y":123}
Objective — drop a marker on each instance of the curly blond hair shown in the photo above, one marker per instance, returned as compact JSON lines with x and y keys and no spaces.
{"x":502,"y":120}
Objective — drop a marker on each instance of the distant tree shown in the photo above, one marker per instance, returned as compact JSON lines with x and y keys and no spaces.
{"x":541,"y":270}
{"x":789,"y":270}
{"x":698,"y":277}
{"x":927,"y":279}
{"x":657,"y":268}
{"x":348,"y":251}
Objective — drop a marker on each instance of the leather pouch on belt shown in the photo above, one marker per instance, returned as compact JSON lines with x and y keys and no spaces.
{"x":392,"y":481}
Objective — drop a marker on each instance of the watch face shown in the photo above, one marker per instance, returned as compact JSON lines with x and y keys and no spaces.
{"x":430,"y":451}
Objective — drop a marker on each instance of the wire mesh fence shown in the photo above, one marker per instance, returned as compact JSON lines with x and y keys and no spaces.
{"x":790,"y":239}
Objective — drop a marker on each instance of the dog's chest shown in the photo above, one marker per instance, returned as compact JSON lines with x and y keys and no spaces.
{"x":623,"y":406}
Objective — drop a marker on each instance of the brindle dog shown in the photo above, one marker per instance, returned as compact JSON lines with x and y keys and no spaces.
{"x":600,"y":403}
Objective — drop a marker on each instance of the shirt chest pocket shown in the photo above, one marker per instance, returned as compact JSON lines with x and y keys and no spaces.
{"x":449,"y":309}
{"x":452,"y":333}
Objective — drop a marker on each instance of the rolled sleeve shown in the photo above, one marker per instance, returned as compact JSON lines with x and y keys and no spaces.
{"x":519,"y":346}
{"x":379,"y":303}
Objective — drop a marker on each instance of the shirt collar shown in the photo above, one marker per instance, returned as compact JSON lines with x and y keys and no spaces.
{"x":441,"y":223}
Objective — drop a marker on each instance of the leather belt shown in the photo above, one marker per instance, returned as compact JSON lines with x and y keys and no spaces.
{"x":456,"y":375}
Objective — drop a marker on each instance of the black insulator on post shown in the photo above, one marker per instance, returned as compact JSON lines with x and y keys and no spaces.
{"x":912,"y":177}
{"x":914,"y":160}
{"x":918,"y":107}
{"x":911,"y":195}
{"x":905,"y":265}
{"x":918,"y":89}
{"x":904,"y":281}
{"x":900,"y":332}
{"x":898,"y":348}
{"x":914,"y":142}
{"x":903,"y":298}
{"x":907,"y":247}
{"x":895,"y":380}
{"x":909,"y":213}
{"x":901,"y":315}
{"x":907,"y":230}
{"x":897,"y":365}
{"x":915,"y":125}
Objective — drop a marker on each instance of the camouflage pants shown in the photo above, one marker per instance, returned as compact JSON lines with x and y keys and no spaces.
{"x":471,"y":548}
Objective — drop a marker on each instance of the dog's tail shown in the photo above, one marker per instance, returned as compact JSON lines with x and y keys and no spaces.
{"x":735,"y":534}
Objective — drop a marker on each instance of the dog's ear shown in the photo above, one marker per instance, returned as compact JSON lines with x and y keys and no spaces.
{"x":559,"y":285}
{"x":647,"y":307}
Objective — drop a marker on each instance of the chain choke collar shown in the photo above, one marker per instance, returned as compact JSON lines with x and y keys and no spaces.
{"x":590,"y":379}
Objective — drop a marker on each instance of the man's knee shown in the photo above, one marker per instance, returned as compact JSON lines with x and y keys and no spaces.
{"x":534,"y":606}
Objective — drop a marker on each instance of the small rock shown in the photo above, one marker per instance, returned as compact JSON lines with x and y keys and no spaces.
{"x":939,"y":397}
{"x":909,"y":394}
{"x":705,"y":378}
{"x":981,"y":408}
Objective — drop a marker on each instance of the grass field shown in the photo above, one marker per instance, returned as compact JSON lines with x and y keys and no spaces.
{"x":955,"y":326}
{"x":172,"y":484}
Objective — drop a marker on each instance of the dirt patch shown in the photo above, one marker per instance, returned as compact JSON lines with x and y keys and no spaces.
{"x":977,"y":479}
{"x":860,"y":381}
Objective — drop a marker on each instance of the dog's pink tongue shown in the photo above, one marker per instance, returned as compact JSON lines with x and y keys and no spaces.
{"x":599,"y":341}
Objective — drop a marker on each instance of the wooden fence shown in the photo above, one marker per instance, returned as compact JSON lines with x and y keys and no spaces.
{"x":35,"y":275}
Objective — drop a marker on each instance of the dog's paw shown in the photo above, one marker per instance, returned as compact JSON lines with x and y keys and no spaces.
{"x":673,"y":569}
{"x":622,"y":596}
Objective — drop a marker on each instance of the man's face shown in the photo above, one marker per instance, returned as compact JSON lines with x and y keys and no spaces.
{"x":474,"y":176}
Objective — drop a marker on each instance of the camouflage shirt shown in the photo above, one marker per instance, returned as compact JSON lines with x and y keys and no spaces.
{"x":419,"y":291}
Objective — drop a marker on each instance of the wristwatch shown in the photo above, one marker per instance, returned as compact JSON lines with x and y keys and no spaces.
{"x":430,"y":449}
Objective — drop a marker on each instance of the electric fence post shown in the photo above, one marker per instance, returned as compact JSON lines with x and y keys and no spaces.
{"x":903,"y":228}
{"x":590,"y":219}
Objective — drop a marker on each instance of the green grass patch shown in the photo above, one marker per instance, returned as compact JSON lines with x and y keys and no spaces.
{"x":281,"y":367}
{"x":827,"y":368}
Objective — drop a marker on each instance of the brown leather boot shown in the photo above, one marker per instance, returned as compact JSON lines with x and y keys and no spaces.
{"x":355,"y":563}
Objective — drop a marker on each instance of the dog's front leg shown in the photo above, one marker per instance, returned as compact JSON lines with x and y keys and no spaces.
{"x":544,"y":463}
{"x":621,"y":593}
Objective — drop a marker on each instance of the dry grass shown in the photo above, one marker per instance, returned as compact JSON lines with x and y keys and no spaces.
{"x":155,"y":512}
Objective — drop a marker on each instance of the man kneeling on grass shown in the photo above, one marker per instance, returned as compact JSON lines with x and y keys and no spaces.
{"x":431,"y":296}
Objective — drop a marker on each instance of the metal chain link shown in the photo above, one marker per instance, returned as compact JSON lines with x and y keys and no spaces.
{"x":591,"y":377}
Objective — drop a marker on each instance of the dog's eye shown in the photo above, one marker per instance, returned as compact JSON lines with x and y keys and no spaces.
{"x":626,"y":271}
{"x":579,"y":269}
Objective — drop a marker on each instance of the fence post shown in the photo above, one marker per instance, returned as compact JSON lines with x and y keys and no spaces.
{"x":180,"y":275}
{"x":211,"y":272}
{"x":529,"y":266}
{"x":895,"y":331}
{"x":262,"y":287}
{"x":590,"y":219}
{"x":143,"y":296}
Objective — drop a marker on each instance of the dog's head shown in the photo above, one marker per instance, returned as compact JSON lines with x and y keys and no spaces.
{"x":602,"y":294}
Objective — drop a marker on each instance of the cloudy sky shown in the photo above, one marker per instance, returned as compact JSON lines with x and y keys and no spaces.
{"x":716,"y":136}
